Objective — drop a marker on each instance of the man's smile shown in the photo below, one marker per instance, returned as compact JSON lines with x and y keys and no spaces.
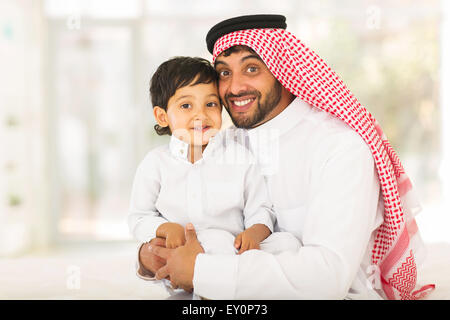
{"x":241,"y":104}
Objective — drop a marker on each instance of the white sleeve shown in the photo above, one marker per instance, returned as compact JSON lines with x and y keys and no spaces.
{"x":143,"y":217}
{"x":258,"y":208}
{"x":340,"y":220}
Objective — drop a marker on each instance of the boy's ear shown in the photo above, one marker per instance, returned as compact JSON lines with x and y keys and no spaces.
{"x":160,"y":116}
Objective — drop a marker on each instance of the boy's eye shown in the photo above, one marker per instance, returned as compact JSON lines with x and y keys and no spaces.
{"x":185,"y":106}
{"x":252,"y":69}
{"x":211,"y":104}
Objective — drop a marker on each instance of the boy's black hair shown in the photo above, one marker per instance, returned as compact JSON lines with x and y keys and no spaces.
{"x":174,"y":74}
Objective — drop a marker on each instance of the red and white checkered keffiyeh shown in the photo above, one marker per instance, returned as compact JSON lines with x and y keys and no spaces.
{"x":306,"y":75}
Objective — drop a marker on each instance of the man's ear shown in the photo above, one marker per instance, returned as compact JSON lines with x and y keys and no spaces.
{"x":160,"y":116}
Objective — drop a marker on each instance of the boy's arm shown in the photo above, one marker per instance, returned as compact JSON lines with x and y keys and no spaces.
{"x":258,"y":213}
{"x":143,"y":217}
{"x":257,"y":206}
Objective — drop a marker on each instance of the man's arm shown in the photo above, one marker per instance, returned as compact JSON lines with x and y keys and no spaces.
{"x":334,"y":242}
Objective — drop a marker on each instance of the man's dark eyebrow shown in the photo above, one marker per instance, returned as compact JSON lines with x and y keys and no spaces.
{"x":219,"y":62}
{"x":254,"y":56}
{"x":251,"y":56}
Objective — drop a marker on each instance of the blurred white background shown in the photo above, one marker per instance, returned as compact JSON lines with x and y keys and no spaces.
{"x":75,"y":115}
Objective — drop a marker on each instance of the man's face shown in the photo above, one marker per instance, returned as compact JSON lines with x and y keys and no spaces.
{"x":247,"y":88}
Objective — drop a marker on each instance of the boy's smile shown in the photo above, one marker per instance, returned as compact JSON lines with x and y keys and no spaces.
{"x":200,"y":126}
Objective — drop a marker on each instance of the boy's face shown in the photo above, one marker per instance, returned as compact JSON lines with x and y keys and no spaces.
{"x":194,"y":113}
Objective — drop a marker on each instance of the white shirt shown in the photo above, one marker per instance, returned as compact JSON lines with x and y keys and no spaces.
{"x":223,"y":190}
{"x":324,"y":186}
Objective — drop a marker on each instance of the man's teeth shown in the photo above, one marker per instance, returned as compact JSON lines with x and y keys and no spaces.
{"x":242,"y":103}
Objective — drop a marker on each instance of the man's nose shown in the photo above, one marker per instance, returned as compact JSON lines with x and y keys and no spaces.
{"x":237,"y":85}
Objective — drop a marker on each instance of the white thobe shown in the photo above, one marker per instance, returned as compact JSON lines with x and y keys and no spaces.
{"x":222,"y":190}
{"x":222,"y":194}
{"x":325,"y":189}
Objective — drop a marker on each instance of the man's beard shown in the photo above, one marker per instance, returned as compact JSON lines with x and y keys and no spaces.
{"x":263,"y":107}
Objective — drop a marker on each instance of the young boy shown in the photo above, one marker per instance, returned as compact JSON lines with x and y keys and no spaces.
{"x":200,"y":176}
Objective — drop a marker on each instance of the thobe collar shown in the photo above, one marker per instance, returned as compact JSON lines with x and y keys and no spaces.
{"x":180,"y":149}
{"x":264,"y":140}
{"x":275,"y":128}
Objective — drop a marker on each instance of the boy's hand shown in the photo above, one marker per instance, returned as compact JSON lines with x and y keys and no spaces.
{"x":251,"y":237}
{"x":173,"y":233}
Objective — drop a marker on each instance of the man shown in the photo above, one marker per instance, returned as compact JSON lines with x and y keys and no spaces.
{"x":338,"y":186}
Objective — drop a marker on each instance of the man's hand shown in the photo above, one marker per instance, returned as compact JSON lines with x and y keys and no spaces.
{"x":251,"y":237}
{"x":180,"y":262}
{"x":149,"y":260}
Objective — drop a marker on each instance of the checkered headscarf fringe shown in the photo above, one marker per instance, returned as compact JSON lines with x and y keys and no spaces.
{"x":306,"y":75}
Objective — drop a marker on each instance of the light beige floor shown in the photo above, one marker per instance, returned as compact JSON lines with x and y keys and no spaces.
{"x":107,"y":272}
{"x":84,"y":272}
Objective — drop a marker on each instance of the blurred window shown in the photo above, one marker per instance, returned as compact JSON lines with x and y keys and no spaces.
{"x":103,"y":53}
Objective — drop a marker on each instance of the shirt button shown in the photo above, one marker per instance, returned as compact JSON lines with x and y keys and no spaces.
{"x":181,"y":151}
